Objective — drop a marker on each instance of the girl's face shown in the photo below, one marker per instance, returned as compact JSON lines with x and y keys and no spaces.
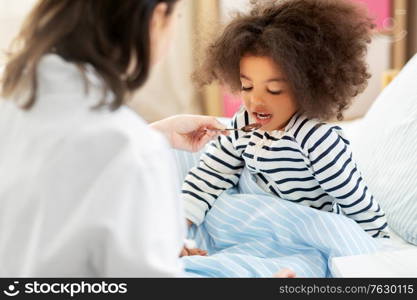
{"x":266,"y":92}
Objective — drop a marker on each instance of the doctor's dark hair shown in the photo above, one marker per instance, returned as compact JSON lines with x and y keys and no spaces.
{"x":319,"y":44}
{"x":107,"y":34}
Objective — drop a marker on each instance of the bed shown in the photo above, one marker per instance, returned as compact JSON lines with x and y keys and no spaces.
{"x":384,"y":144}
{"x":398,"y":258}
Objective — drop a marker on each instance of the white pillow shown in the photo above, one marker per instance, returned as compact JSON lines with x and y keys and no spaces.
{"x":384,"y":145}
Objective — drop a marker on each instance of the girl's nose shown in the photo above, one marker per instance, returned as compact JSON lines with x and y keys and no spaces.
{"x":257,"y":100}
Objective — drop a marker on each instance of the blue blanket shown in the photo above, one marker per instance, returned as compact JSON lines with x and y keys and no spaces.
{"x":250,"y":233}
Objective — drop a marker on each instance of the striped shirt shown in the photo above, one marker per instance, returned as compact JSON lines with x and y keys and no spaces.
{"x":309,"y":163}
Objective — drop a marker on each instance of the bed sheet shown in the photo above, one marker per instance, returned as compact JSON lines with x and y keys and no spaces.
{"x":250,"y":233}
{"x":396,"y":258}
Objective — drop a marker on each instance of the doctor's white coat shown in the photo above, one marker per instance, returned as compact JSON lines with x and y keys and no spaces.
{"x":84,"y":192}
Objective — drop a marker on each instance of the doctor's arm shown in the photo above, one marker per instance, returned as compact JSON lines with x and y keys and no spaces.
{"x":188,"y":132}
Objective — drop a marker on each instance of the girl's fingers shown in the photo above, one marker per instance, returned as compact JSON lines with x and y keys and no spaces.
{"x":197,"y":251}
{"x":184,"y":252}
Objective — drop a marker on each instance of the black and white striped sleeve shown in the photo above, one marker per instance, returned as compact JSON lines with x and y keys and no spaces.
{"x":338,"y":174}
{"x":219,"y":169}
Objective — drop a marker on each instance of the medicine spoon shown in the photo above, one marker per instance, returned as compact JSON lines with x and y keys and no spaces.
{"x":247,"y":128}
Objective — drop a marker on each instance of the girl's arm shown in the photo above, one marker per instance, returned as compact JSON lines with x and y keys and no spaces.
{"x":338,"y":174}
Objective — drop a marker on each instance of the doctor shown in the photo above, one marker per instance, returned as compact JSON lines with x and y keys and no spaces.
{"x":87,"y":188}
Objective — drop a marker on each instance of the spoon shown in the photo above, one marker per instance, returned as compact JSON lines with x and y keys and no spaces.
{"x":247,"y":128}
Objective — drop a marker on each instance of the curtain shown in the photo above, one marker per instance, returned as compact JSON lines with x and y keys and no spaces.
{"x":412,"y":29}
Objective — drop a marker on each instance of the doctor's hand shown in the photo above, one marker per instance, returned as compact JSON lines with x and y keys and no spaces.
{"x":189,"y":132}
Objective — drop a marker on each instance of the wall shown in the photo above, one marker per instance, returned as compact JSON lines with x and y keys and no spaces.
{"x":380,"y":10}
{"x":12,"y":12}
{"x":169,"y":89}
{"x":379,"y":61}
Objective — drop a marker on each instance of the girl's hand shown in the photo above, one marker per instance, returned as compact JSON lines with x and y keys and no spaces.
{"x":189,"y":223}
{"x":190,"y":249}
{"x":189,"y":132}
{"x":194,"y":251}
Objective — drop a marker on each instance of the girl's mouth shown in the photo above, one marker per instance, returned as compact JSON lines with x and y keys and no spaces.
{"x":262,"y":118}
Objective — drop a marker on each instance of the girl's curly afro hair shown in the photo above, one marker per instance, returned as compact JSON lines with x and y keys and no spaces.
{"x":319,"y":44}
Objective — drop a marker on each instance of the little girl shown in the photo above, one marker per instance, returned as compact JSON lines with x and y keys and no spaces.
{"x":296,"y":64}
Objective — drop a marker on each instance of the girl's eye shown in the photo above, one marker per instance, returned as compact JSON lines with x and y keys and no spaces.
{"x":275,"y":92}
{"x":246,"y":89}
